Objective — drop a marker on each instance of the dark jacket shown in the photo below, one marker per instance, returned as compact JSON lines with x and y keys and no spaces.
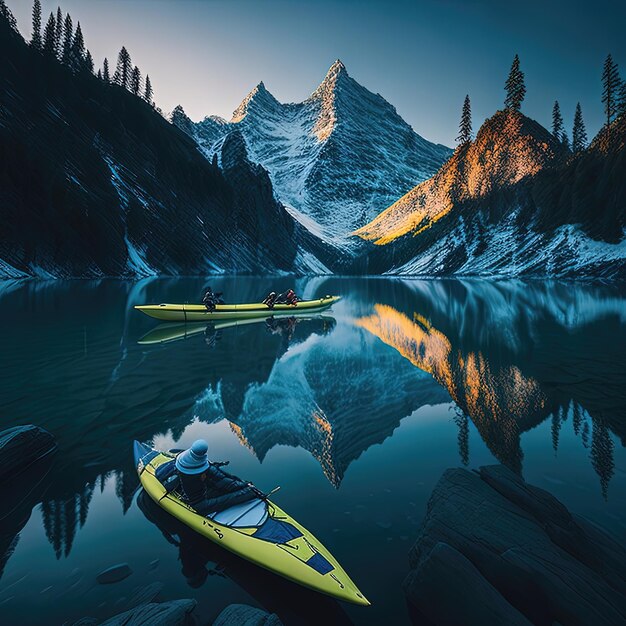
{"x":216,"y":492}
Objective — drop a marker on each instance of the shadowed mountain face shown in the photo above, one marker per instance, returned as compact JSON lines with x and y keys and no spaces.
{"x":505,"y":356}
{"x":338,"y":158}
{"x":93,"y":182}
{"x":512,"y":202}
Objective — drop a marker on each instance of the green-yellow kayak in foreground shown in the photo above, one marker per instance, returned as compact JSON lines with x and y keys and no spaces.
{"x":199,"y":313}
{"x":258,"y":531}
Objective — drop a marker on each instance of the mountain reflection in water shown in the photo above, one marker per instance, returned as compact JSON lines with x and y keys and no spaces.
{"x":502,"y":400}
{"x":505,"y":357}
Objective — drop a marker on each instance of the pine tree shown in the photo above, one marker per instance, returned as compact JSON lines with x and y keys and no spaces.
{"x":66,"y":52}
{"x":602,"y":454}
{"x":584,"y":434}
{"x":611,"y":83}
{"x":106,"y":77}
{"x":77,"y":52}
{"x":5,"y":13}
{"x":179,"y":118}
{"x":565,"y":140}
{"x":465,"y":126}
{"x":579,"y":133}
{"x":88,"y":62}
{"x":35,"y":40}
{"x":557,"y":121}
{"x":147,"y":95}
{"x":58,"y":34}
{"x":99,"y":74}
{"x":555,"y":430}
{"x":515,"y":87}
{"x":124,"y":67}
{"x":135,"y":81}
{"x":462,"y":421}
{"x":576,"y":418}
{"x":48,"y":36}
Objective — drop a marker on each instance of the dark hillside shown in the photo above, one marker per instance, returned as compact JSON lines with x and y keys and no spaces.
{"x":93,"y":181}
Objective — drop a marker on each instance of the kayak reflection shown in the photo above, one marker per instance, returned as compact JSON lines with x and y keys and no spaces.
{"x":202,"y":559}
{"x":283,"y":326}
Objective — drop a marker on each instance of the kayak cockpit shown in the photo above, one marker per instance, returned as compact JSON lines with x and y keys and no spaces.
{"x":252,"y":513}
{"x":242,"y":515}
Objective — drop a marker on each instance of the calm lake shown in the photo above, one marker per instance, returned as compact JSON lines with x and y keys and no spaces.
{"x":355,"y":414}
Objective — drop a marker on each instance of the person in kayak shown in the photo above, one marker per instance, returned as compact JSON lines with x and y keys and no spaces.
{"x":284,"y":328}
{"x":270,"y":299}
{"x":212,"y":298}
{"x":288,"y":297}
{"x":206,"y":486}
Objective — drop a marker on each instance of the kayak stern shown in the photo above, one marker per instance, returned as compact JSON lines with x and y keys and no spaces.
{"x":140,"y":451}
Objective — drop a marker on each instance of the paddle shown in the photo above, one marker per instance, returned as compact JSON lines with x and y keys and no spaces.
{"x":253,"y":505}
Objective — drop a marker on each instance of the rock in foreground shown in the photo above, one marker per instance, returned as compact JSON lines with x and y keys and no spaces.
{"x":244,"y":615}
{"x":174,"y":613}
{"x":494,"y":549}
{"x":21,"y":446}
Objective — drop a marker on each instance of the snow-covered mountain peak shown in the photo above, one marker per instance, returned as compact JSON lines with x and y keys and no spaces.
{"x":215,"y":119}
{"x":259,"y":98}
{"x":338,"y":158}
{"x":337,"y":75}
{"x":336,"y":70}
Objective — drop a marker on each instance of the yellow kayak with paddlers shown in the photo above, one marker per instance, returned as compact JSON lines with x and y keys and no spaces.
{"x":258,"y":531}
{"x":213,"y":308}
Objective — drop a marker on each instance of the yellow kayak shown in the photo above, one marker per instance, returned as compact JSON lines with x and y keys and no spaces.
{"x":199,"y":313}
{"x":258,"y":531}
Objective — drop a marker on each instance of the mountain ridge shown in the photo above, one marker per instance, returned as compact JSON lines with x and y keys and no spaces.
{"x":335,"y":158}
{"x":512,"y":202}
{"x":94,"y":182}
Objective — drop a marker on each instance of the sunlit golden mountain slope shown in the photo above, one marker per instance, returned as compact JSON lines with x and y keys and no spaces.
{"x":508,"y":147}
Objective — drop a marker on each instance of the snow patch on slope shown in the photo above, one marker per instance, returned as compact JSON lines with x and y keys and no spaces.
{"x":307,"y":263}
{"x":506,"y":250}
{"x":7,"y":271}
{"x":137,"y":264}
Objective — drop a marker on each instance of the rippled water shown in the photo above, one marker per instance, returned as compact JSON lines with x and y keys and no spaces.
{"x":355,"y":414}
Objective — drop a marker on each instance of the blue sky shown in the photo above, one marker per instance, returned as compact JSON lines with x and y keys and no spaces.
{"x":422,"y":56}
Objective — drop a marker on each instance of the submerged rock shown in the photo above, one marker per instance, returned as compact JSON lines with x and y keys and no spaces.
{"x":174,"y":613}
{"x":21,"y":446}
{"x":23,"y":450}
{"x":114,"y":574}
{"x":145,"y":594}
{"x":493,"y":549}
{"x":244,"y":615}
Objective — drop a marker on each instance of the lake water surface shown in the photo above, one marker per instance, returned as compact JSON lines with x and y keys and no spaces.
{"x":355,"y":414}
